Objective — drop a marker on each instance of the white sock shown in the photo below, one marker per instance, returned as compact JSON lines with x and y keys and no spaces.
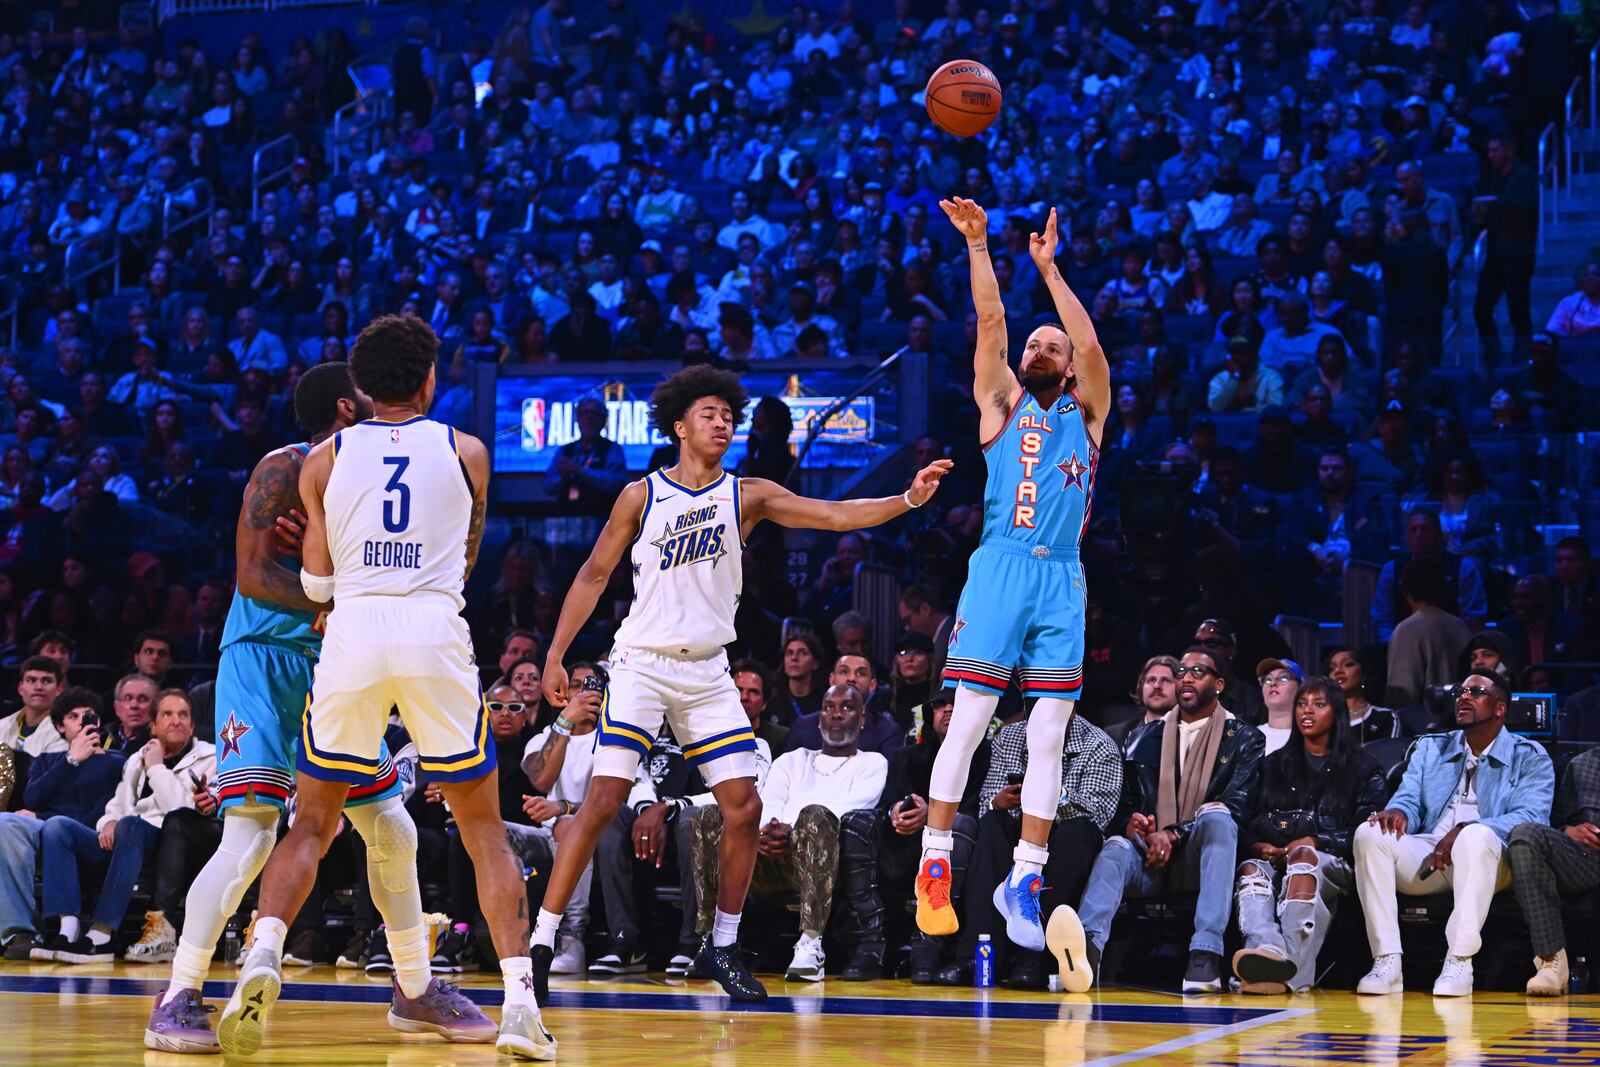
{"x":517,"y":971}
{"x":545,"y":925}
{"x":936,"y":844}
{"x":69,"y":927}
{"x":409,"y":950}
{"x":724,"y":929}
{"x":270,"y":934}
{"x":98,"y":937}
{"x":1027,"y":858}
{"x":189,"y":969}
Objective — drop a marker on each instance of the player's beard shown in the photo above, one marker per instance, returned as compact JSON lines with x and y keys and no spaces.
{"x":1040,"y":375}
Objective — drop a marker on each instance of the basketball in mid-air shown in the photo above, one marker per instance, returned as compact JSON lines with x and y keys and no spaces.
{"x":963,"y":97}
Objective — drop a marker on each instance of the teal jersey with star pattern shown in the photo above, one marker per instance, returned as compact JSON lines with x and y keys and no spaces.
{"x":1041,"y":476}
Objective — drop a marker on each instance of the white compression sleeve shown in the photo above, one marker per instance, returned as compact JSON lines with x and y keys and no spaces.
{"x":968,"y":725}
{"x":1048,"y":724}
{"x":391,"y":839}
{"x":248,"y":834}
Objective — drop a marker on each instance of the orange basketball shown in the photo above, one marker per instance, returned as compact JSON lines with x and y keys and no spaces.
{"x":963,"y":97}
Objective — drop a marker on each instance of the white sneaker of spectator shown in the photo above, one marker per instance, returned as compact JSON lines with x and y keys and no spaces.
{"x":158,"y":942}
{"x":569,"y":958}
{"x":1455,"y":978}
{"x":808,"y":962}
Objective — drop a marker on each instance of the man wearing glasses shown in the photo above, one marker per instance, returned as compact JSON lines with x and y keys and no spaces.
{"x":1187,"y":785}
{"x":1462,"y":795}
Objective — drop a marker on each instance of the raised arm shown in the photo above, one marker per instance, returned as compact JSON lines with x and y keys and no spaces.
{"x":1088,"y":358}
{"x":475,"y":461}
{"x":619,"y":532}
{"x":761,"y":499}
{"x":314,"y":555}
{"x":273,"y":490}
{"x":994,"y":386}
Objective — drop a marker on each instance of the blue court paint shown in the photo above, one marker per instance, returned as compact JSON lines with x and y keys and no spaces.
{"x":1038,"y":1010}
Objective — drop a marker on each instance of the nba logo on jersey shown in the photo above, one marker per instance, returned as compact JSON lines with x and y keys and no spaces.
{"x":394,"y":436}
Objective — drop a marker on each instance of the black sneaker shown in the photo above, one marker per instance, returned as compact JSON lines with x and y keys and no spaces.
{"x":924,"y":959}
{"x":866,"y":963}
{"x":957,"y":973}
{"x":543,"y":956}
{"x":1028,"y":971}
{"x":21,"y":945}
{"x":453,"y":954}
{"x":378,"y":959}
{"x":726,"y":966}
{"x":1204,"y":974}
{"x":85,"y":951}
{"x":46,"y":949}
{"x":301,"y":950}
{"x":624,"y":958}
{"x":353,"y":958}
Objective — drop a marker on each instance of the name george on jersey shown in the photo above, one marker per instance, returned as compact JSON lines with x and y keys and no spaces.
{"x":694,"y":537}
{"x":397,"y":555}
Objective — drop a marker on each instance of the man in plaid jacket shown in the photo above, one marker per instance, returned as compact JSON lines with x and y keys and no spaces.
{"x":1548,"y":864}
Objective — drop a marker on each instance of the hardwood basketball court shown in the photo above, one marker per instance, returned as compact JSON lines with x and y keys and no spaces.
{"x":57,"y":1014}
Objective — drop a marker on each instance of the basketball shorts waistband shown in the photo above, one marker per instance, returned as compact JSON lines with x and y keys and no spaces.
{"x":1043,"y":553}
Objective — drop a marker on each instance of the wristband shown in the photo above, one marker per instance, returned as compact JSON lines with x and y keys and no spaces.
{"x":318,"y":588}
{"x":569,"y":808}
{"x":906,"y":496}
{"x":561,"y":727}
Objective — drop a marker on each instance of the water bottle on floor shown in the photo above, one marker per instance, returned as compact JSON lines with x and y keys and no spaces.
{"x":983,"y":963}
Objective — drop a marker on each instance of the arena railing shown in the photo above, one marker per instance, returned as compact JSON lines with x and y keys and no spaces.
{"x":265,"y":153}
{"x":190,"y":205}
{"x":1569,"y":128}
{"x":1547,"y":158}
{"x":356,"y":122}
{"x":81,"y":273}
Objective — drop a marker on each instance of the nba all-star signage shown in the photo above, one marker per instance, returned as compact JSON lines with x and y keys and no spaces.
{"x":535,"y":416}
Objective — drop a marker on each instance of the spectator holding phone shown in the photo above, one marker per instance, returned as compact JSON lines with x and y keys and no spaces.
{"x":159,"y":777}
{"x":75,"y":786}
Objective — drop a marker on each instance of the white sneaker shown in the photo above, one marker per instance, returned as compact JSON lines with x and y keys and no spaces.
{"x":522,"y":1034}
{"x":1455,"y":977}
{"x":1551,"y":977}
{"x":569,"y":957}
{"x":1385,"y":976}
{"x":158,"y":943}
{"x":243,"y":1024}
{"x":808,"y":961}
{"x":679,"y":965}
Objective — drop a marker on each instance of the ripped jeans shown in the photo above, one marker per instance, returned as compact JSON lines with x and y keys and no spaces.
{"x":1270,"y":918}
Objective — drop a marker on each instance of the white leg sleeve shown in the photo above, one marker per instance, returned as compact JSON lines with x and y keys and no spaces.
{"x":391,"y":839}
{"x":1047,"y":735}
{"x":968,"y":725}
{"x":248,"y":834}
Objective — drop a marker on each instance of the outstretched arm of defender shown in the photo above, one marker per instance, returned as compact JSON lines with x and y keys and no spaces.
{"x":769,"y":500}
{"x":620,"y":530}
{"x":1088,"y":358}
{"x":273,"y":491}
{"x":994,"y":386}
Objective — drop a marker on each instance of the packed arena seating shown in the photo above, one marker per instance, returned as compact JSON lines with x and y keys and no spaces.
{"x":1295,"y":239}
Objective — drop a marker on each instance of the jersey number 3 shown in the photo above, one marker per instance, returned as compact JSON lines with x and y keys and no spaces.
{"x":397,"y":513}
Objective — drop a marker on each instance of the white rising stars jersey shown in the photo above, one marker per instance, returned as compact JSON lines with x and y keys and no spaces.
{"x":687,"y":568}
{"x":398,"y":508}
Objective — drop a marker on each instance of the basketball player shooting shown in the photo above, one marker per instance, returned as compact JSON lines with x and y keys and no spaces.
{"x":684,"y":528}
{"x":1041,"y":432}
{"x":395,"y":509}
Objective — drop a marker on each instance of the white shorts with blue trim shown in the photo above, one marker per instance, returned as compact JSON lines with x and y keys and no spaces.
{"x":696,"y":697}
{"x":413,"y":653}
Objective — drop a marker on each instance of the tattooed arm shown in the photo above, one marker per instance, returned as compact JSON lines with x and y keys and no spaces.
{"x":994,"y":386}
{"x":475,"y":461}
{"x":274,"y":489}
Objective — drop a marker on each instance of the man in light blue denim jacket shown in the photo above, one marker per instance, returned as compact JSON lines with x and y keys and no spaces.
{"x":1446,"y":828}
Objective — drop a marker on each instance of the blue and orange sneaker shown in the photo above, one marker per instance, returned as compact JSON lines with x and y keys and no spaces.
{"x":935,"y":915}
{"x":1017,"y":899}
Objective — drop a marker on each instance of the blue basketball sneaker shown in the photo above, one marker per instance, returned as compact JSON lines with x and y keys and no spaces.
{"x":1017,"y":899}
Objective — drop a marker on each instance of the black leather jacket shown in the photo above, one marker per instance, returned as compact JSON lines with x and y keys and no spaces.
{"x":1235,"y":780}
{"x":1336,"y":802}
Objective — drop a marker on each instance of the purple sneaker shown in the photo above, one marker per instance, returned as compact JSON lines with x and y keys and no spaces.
{"x":442,"y":1010}
{"x":180,"y":1025}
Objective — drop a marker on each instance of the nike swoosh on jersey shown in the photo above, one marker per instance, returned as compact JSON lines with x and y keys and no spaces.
{"x":667,"y":496}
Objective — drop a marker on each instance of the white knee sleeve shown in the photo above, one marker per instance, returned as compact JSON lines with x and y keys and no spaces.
{"x":391,"y":840}
{"x":248,"y":834}
{"x":1048,"y":724}
{"x":969,"y":723}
